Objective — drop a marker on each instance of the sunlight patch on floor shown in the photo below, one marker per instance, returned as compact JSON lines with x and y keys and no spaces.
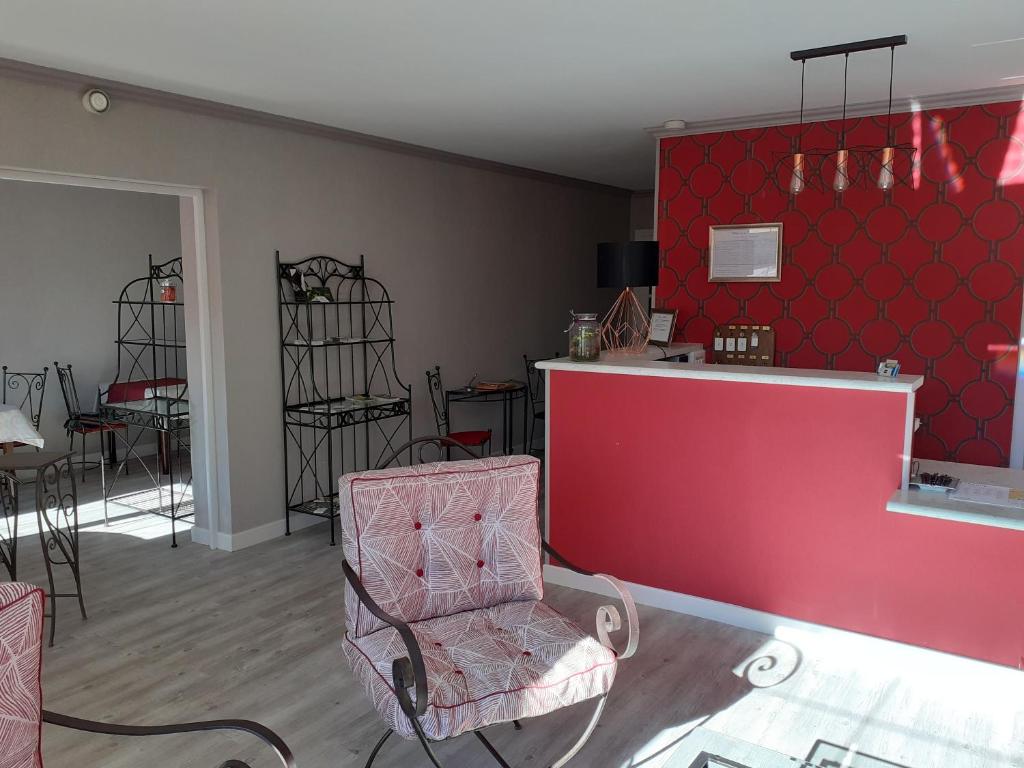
{"x":658,"y":751}
{"x":129,"y":514}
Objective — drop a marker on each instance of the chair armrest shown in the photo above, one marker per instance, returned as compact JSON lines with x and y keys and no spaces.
{"x":407,"y":671}
{"x":113,"y":729}
{"x":608,"y":618}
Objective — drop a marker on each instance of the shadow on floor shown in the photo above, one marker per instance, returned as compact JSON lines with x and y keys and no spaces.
{"x":825,"y":754}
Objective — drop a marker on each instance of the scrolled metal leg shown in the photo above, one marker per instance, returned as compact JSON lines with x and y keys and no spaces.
{"x":57,"y":520}
{"x":581,"y":742}
{"x":376,"y":749}
{"x":425,"y":742}
{"x":9,"y":541}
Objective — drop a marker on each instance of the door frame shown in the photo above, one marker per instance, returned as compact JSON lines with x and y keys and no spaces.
{"x":207,"y":408}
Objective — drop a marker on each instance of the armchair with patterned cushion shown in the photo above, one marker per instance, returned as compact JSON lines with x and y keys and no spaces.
{"x":446,"y":626}
{"x":21,"y":712}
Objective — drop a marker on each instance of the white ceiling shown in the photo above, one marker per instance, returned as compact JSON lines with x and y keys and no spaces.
{"x":565,"y":86}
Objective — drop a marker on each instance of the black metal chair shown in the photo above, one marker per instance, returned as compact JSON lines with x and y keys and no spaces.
{"x":443,"y":446}
{"x":264,"y":734}
{"x":21,"y":616}
{"x":23,"y":389}
{"x":84,"y":423}
{"x":536,"y":392}
{"x":474,"y":438}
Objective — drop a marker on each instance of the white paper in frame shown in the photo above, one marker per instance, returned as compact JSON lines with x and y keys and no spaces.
{"x":663,"y":326}
{"x":745,"y":253}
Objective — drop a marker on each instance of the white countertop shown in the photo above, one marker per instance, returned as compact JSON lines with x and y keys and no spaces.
{"x":800,"y":377}
{"x":653,"y":352}
{"x":945,"y":507}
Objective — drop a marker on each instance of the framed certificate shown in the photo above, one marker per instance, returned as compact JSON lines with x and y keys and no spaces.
{"x":745,"y":253}
{"x":663,"y":326}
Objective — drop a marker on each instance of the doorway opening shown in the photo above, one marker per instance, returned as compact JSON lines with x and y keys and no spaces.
{"x":113,"y":285}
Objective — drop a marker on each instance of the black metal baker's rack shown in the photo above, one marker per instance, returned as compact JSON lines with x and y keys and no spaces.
{"x":343,"y":403}
{"x":151,"y":358}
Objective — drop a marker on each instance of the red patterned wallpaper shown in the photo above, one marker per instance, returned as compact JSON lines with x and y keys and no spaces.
{"x":929,"y":273}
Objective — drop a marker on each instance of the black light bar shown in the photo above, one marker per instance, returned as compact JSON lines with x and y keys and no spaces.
{"x":856,"y":47}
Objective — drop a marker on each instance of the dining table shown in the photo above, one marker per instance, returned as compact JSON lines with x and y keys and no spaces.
{"x":16,"y":429}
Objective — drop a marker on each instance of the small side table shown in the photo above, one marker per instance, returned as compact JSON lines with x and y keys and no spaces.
{"x":56,"y":516}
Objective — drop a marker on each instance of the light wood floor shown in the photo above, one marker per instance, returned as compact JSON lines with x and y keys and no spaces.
{"x":191,"y":634}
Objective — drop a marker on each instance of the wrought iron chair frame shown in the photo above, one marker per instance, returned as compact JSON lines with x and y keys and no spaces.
{"x":32,"y":382}
{"x":439,"y":402}
{"x":9,"y":526}
{"x":265,"y":735}
{"x":441,"y":442}
{"x":77,"y":420}
{"x":410,"y":671}
{"x":57,"y":517}
{"x":536,"y":394}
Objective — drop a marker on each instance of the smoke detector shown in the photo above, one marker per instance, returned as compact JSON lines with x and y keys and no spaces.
{"x":96,"y":101}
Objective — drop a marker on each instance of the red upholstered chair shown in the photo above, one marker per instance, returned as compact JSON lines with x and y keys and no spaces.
{"x":474,"y":438}
{"x":446,"y":626}
{"x":21,"y":696}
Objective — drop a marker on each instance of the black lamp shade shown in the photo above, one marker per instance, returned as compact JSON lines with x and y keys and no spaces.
{"x":627,"y":265}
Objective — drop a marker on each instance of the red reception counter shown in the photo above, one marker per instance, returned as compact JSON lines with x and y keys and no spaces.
{"x":766,"y":488}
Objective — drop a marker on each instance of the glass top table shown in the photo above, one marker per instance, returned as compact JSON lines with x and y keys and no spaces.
{"x":707,"y":748}
{"x":163,"y":413}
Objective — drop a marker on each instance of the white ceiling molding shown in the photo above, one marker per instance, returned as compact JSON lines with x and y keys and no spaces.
{"x":128,"y":92}
{"x":864,"y":109}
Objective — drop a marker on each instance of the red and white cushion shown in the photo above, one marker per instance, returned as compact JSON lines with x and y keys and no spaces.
{"x":436,"y":539}
{"x":21,"y":636}
{"x":491,"y":665}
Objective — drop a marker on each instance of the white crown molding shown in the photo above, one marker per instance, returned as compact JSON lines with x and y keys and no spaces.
{"x":120,"y":90}
{"x":862,"y":109}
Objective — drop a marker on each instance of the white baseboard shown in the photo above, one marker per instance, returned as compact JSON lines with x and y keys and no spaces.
{"x":781,"y":627}
{"x":678,"y":602}
{"x":232,"y":542}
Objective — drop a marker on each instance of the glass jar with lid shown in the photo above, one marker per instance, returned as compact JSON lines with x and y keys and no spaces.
{"x":168,"y":291}
{"x":584,"y":337}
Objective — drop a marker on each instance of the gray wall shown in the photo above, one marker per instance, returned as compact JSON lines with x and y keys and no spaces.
{"x":641,"y":211}
{"x":65,"y":253}
{"x":483,"y":265}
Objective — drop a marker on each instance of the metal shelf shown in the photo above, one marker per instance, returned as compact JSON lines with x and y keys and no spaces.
{"x":159,"y":343}
{"x":317,"y":508}
{"x":332,"y":303}
{"x":147,"y":303}
{"x":335,"y":342}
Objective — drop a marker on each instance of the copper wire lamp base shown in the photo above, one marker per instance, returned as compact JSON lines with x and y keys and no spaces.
{"x":626,"y":327}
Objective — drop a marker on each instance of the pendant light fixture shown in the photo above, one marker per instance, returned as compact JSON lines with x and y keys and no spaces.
{"x":885,"y":176}
{"x":796,"y":182}
{"x":842,"y":177}
{"x":806,"y":166}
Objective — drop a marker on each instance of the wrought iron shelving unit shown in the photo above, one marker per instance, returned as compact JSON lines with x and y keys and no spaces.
{"x":150,"y":392}
{"x":343,"y":403}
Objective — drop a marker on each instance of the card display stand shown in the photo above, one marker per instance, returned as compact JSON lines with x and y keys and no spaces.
{"x":744,"y":345}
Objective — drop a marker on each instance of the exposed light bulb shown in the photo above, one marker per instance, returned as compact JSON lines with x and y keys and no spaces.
{"x":885,"y":176}
{"x":842,"y":179}
{"x":796,"y":184}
